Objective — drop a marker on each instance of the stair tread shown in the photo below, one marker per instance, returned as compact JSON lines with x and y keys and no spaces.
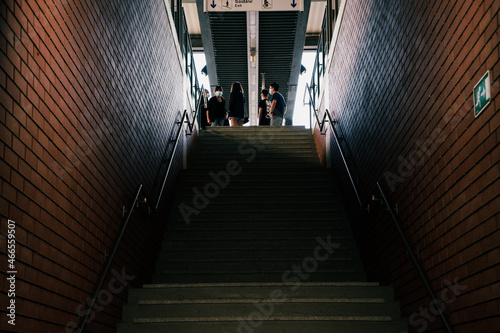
{"x":270,"y":327}
{"x":267,"y":318}
{"x":261,"y":284}
{"x":240,"y":300}
{"x":260,"y":290}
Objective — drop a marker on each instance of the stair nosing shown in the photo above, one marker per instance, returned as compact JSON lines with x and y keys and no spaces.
{"x":373,"y":300}
{"x":260,"y":284}
{"x":264,"y":318}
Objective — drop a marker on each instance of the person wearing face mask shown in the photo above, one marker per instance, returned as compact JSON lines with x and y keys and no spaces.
{"x":216,"y":108}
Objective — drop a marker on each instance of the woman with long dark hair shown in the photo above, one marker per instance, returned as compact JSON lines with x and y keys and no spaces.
{"x":236,"y":105}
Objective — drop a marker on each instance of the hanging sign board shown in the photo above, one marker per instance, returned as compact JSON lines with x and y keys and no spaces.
{"x":482,"y":94}
{"x":253,"y":5}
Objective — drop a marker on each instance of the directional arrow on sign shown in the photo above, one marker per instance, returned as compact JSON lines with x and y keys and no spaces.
{"x":252,"y":5}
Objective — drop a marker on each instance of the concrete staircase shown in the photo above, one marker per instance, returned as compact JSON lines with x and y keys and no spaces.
{"x":259,"y":242}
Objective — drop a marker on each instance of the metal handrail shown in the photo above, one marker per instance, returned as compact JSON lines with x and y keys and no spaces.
{"x":389,"y":208}
{"x":393,"y":215}
{"x":184,"y":119}
{"x":327,"y":118}
{"x":110,"y":260}
{"x":129,"y":214}
{"x":337,"y":139}
{"x":413,"y":258}
{"x":312,"y":102}
{"x":184,"y":115}
{"x":321,"y":124}
{"x":200,"y":98}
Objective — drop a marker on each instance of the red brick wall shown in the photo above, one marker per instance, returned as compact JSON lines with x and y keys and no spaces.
{"x":90,"y":92}
{"x":401,"y":83}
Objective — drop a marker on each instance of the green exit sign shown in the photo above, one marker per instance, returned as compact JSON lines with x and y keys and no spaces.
{"x":482,"y":94}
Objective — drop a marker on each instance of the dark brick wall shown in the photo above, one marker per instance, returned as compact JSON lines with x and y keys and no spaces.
{"x":90,"y":92}
{"x":401,"y":83}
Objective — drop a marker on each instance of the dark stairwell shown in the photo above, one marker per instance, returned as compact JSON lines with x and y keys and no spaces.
{"x":259,"y":241}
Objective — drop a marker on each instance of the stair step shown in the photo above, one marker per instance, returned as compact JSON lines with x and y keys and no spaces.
{"x":253,"y":234}
{"x":242,"y":182}
{"x":228,"y":130}
{"x":255,"y":326}
{"x":262,"y":165}
{"x":266,"y":226}
{"x":308,"y":309}
{"x":221,"y":243}
{"x":205,"y":254}
{"x":258,"y":129}
{"x":279,"y":211}
{"x":245,"y":148}
{"x":274,"y":173}
{"x":253,"y":141}
{"x":230,"y":259}
{"x":265,"y":209}
{"x":266,"y":160}
{"x":262,"y":285}
{"x":226,"y":204}
{"x":339,"y":219}
{"x":244,"y":268}
{"x":255,"y":199}
{"x":215,"y":151}
{"x":254,"y":191}
{"x":265,"y":178}
{"x":248,"y":215}
{"x":184,"y":291}
{"x":252,"y":276}
{"x":292,"y":149}
{"x":268,"y":178}
{"x":263,"y":300}
{"x":257,"y":139}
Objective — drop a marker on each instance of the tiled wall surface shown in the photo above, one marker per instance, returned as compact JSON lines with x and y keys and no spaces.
{"x":89,"y":95}
{"x":401,"y":87}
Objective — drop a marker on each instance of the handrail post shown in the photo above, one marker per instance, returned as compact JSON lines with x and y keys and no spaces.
{"x":413,"y":258}
{"x":110,"y":260}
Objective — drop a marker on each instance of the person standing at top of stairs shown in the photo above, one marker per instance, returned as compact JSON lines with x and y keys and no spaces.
{"x":278,"y":105}
{"x":237,"y":105}
{"x":216,"y":108}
